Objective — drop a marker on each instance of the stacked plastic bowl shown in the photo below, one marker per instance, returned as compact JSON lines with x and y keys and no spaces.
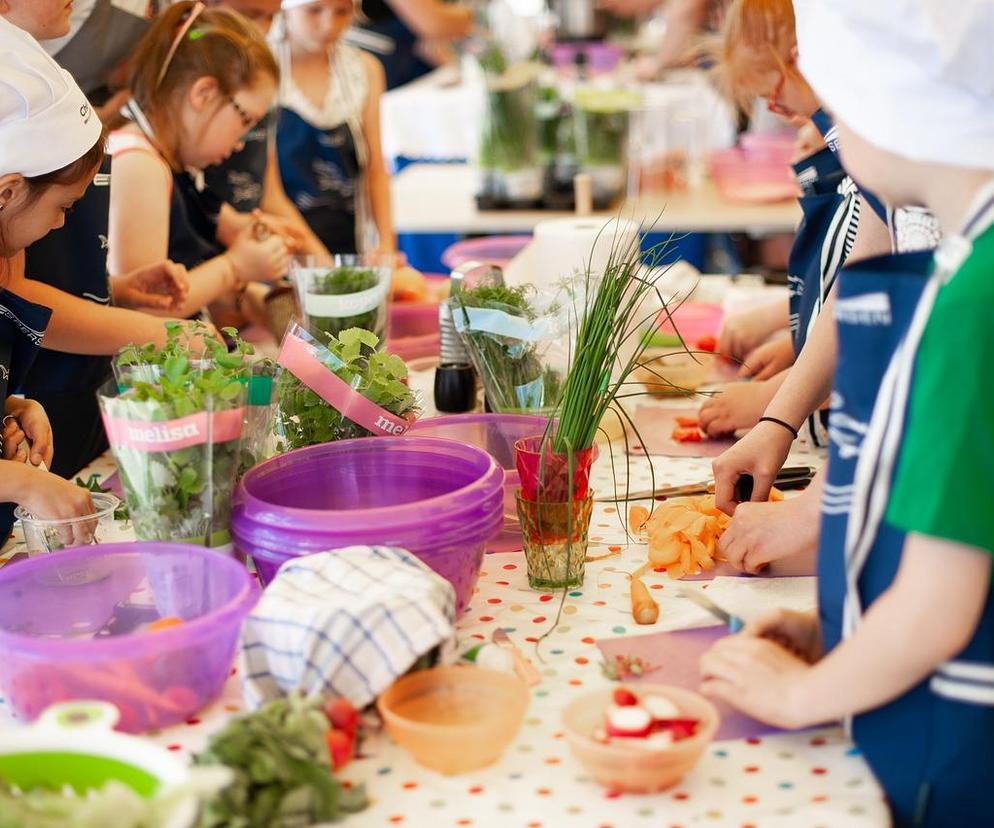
{"x":439,"y":499}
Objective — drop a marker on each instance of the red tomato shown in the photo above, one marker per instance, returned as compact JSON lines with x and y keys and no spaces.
{"x":687,"y":435}
{"x":624,"y":697}
{"x":688,"y":422}
{"x":680,"y":728}
{"x":340,"y":746}
{"x":707,"y":343}
{"x":342,"y":715}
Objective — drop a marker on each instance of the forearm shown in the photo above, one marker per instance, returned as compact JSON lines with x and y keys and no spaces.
{"x":809,"y":382}
{"x":379,"y":193}
{"x":934,"y":603}
{"x":81,"y":327}
{"x":230,"y":223}
{"x":15,"y":480}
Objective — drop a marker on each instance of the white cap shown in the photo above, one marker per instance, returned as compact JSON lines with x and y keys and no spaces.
{"x":293,"y":4}
{"x":915,"y":77}
{"x":46,"y":122}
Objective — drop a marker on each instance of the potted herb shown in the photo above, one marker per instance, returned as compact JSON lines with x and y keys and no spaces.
{"x":174,"y":418}
{"x":338,"y":388}
{"x":509,"y":145}
{"x":352,"y":293}
{"x":514,"y":338}
{"x":601,"y":124}
{"x":554,"y":502}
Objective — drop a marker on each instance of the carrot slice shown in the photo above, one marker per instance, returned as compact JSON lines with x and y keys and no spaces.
{"x":688,"y":422}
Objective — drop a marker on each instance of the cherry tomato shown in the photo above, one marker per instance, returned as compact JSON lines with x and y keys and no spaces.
{"x":623,"y":697}
{"x":342,"y":715}
{"x":340,"y":747}
{"x":707,"y":343}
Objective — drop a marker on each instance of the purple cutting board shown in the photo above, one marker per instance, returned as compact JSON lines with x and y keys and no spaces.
{"x":656,"y":425}
{"x":675,"y":657}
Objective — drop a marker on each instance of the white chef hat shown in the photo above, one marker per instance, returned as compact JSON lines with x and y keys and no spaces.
{"x":915,"y":77}
{"x":46,"y":122}
{"x":293,"y":4}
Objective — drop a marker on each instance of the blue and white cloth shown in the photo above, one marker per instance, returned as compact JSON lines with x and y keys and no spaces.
{"x":347,"y":622}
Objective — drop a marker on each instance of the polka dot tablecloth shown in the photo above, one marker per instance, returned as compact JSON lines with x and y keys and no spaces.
{"x":796,"y":780}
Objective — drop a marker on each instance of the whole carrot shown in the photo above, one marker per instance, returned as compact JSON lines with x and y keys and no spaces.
{"x":644,"y":609}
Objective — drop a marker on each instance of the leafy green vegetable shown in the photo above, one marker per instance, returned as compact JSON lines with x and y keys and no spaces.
{"x":181,"y":493}
{"x":510,"y":130}
{"x":342,"y":281}
{"x":282,"y":768}
{"x":302,"y":418}
{"x":511,"y":369}
{"x":92,"y":484}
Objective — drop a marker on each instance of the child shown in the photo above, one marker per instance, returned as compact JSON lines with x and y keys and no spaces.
{"x":905,"y":643}
{"x":201,"y":79}
{"x":328,"y":138}
{"x":39,"y":181}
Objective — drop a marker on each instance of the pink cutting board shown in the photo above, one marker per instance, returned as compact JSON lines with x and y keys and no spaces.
{"x":675,"y":657}
{"x":655,"y":425}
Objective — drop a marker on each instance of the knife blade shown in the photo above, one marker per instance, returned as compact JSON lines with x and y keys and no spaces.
{"x":789,"y":477}
{"x":733,"y":622}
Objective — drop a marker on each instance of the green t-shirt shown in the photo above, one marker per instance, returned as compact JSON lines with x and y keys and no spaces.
{"x":944,"y":485}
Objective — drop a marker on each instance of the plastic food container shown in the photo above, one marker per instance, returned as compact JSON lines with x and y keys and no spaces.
{"x":455,"y":719}
{"x":496,"y":434}
{"x":439,"y":499}
{"x":76,"y":626}
{"x":496,"y":250}
{"x":741,"y":177}
{"x":413,"y":329}
{"x":636,"y":769}
{"x":43,"y":536}
{"x":73,"y":744}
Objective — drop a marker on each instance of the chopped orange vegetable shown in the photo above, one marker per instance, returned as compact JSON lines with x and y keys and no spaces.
{"x":644,"y":609}
{"x":689,"y":434}
{"x":164,"y":623}
{"x":637,"y":516}
{"x":688,"y":422}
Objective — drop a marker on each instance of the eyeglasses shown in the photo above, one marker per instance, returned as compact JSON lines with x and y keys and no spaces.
{"x":773,"y":99}
{"x":248,"y":121}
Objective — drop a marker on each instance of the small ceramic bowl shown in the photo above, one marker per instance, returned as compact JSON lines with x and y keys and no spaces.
{"x":634,"y":768}
{"x":455,"y":719}
{"x":669,"y":372}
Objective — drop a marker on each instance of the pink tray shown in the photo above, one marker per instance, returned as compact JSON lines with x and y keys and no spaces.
{"x":498,"y":250}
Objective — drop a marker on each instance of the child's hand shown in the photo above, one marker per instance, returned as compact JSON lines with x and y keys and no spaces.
{"x":743,"y":332}
{"x":795,"y":631}
{"x":758,"y":677}
{"x":761,"y":453}
{"x":737,"y":406}
{"x":11,"y":439}
{"x":161,"y":286}
{"x":761,"y":533}
{"x":258,"y":261}
{"x":35,"y":426}
{"x":293,"y":235}
{"x":769,"y":359}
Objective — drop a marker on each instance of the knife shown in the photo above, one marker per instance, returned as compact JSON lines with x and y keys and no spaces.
{"x":789,"y":478}
{"x":522,"y":666}
{"x":733,"y":622}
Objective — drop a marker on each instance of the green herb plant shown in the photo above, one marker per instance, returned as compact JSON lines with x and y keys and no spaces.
{"x":512,"y":370}
{"x":342,"y":281}
{"x":181,"y":493}
{"x":510,"y":130}
{"x":92,"y":484}
{"x":302,"y":418}
{"x":282,"y":768}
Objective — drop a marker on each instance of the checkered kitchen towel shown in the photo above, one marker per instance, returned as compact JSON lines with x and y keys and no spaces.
{"x":347,"y":622}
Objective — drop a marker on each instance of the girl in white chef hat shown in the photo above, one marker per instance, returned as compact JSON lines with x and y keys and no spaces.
{"x":903,"y":644}
{"x":51,"y":143}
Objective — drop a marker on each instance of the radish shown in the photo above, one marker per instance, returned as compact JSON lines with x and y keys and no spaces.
{"x":660,"y":707}
{"x":631,"y":722}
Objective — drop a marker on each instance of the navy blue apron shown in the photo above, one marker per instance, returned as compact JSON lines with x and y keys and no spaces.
{"x":22,"y":326}
{"x":74,"y":259}
{"x":320,"y":170}
{"x":824,"y":124}
{"x":822,"y":244}
{"x":929,"y":748}
{"x":401,"y":62}
{"x":239,"y":180}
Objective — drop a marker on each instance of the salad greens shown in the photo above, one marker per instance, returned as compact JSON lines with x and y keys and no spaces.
{"x":302,"y":418}
{"x":180,"y":493}
{"x":282,"y":770}
{"x":92,"y":484}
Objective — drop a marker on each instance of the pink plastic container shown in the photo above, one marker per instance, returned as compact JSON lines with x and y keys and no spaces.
{"x":495,"y":434}
{"x":694,"y":321}
{"x":439,"y":499}
{"x":74,"y":626}
{"x":742,"y":177}
{"x":413,"y":329}
{"x":497,"y":250}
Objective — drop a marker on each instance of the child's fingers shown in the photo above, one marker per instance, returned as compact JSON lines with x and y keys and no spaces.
{"x":719,"y":689}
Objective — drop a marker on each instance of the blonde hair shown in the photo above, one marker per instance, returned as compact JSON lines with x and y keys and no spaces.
{"x":220,"y":44}
{"x":757,"y":37}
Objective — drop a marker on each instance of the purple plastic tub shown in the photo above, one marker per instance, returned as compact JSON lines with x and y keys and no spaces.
{"x":73,"y":626}
{"x":497,"y":250}
{"x":439,"y":499}
{"x":495,"y":434}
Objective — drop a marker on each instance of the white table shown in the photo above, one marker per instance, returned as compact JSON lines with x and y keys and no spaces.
{"x":440,"y":198}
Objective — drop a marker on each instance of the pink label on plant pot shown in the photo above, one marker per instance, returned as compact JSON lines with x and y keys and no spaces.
{"x":299,"y":359}
{"x":171,"y":435}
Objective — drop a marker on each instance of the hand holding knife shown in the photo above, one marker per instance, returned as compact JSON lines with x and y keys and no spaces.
{"x":790,"y":477}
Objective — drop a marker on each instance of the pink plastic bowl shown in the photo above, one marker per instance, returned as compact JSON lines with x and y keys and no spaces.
{"x":72,"y":626}
{"x":413,"y":329}
{"x":742,"y":178}
{"x":439,"y":499}
{"x":498,"y":250}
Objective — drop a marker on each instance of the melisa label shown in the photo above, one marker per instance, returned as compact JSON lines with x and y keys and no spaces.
{"x":171,"y":435}
{"x":298,"y":358}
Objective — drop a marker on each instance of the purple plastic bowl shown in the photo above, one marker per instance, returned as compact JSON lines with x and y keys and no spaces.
{"x":71,"y":627}
{"x":439,"y":499}
{"x":497,"y":250}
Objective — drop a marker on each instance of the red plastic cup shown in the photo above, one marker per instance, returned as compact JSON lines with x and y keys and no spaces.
{"x":545,"y":474}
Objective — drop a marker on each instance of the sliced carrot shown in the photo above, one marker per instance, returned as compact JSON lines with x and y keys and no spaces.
{"x":164,"y":623}
{"x":688,"y":422}
{"x":687,"y":435}
{"x":637,"y":517}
